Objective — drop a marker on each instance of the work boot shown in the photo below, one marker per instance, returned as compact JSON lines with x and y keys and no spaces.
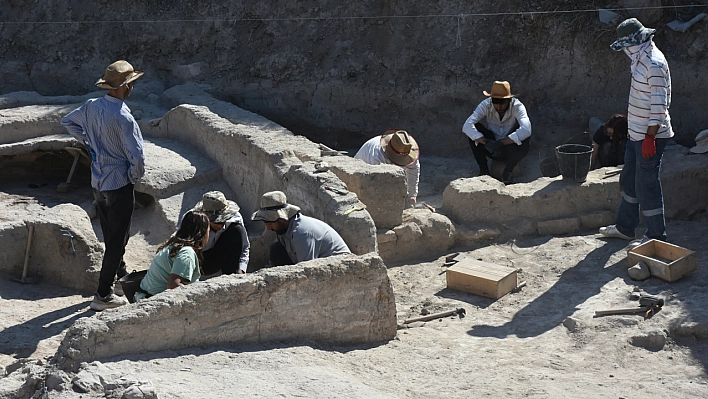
{"x":612,"y":232}
{"x":108,"y":302}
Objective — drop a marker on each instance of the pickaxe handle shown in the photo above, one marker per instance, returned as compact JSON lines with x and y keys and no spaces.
{"x":433,"y":316}
{"x":622,"y":311}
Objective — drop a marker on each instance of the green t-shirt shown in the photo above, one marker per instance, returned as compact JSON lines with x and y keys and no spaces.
{"x":184,"y":264}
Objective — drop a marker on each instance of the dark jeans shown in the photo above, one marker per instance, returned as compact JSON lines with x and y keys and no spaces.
{"x":511,"y":154}
{"x":641,"y":187}
{"x":607,"y":157}
{"x":114,"y":209}
{"x":279,"y":255}
{"x":225,"y":255}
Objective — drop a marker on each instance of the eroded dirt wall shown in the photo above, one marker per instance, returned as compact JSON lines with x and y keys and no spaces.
{"x":337,"y":73}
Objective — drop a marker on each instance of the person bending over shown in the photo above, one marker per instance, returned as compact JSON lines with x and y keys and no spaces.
{"x":177,"y":260}
{"x":609,"y":143}
{"x":228,"y":248}
{"x":299,"y":237}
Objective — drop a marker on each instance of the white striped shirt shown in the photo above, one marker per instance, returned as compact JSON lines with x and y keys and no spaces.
{"x":650,"y":93}
{"x":107,"y":127}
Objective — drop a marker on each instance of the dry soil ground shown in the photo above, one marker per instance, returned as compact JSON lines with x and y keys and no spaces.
{"x":540,"y":342}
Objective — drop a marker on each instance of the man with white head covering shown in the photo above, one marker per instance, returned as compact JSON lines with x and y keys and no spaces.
{"x":396,"y":147}
{"x":649,"y":128}
{"x":500,"y":129}
{"x":115,"y":143}
{"x":228,"y":249}
{"x":300,"y":237}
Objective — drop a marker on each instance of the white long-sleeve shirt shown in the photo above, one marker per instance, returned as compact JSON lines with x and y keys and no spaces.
{"x":373,"y":154}
{"x":650,"y":92}
{"x":489,"y":117}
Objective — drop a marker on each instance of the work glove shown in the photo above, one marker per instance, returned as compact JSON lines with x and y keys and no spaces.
{"x":649,"y":146}
{"x":494,"y":147}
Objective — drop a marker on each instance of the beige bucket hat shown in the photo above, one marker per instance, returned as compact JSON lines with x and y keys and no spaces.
{"x":215,"y":205}
{"x":117,"y":74}
{"x":400,"y":147}
{"x":274,"y":206}
{"x":701,"y":146}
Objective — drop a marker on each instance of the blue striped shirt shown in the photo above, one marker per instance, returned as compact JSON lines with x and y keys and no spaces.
{"x":650,"y":93}
{"x":114,"y":137}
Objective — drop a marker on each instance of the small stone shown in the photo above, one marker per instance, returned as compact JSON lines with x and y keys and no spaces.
{"x":570,"y":323}
{"x":640,"y":271}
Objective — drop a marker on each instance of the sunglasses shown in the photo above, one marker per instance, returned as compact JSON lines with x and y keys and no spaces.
{"x":499,"y":100}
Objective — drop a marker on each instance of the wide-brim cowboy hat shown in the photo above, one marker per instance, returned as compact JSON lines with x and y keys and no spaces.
{"x":117,"y":74}
{"x":701,"y":146}
{"x":400,"y":147}
{"x":274,"y":206}
{"x":215,"y":205}
{"x":500,"y":89}
{"x":630,"y":33}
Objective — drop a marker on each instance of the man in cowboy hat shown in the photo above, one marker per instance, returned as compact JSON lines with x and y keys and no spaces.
{"x":228,"y":249}
{"x":300,"y":237}
{"x":115,"y":143}
{"x":396,"y":147}
{"x":649,"y":128}
{"x":499,"y":128}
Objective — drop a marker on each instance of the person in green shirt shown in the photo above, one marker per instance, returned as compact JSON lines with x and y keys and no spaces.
{"x":177,"y":261}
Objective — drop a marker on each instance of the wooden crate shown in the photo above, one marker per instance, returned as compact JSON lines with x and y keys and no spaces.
{"x":667,"y":261}
{"x":481,"y":278}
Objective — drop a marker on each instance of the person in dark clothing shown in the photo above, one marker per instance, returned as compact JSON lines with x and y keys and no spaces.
{"x":228,"y":248}
{"x":609,"y":142}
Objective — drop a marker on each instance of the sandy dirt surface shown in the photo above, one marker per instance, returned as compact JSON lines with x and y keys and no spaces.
{"x":542,"y":341}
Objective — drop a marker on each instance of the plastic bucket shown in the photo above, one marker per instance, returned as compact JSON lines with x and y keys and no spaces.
{"x":574,"y":161}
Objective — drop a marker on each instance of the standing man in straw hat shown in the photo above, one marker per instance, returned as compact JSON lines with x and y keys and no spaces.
{"x":396,"y":147}
{"x":649,"y":128}
{"x":499,"y":128}
{"x":300,"y":237}
{"x":227,"y":250}
{"x":115,"y":142}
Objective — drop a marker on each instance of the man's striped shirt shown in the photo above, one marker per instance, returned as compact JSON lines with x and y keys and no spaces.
{"x":650,"y":93}
{"x":115,"y":140}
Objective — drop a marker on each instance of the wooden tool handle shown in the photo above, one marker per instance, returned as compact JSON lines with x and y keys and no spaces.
{"x":621,"y":311}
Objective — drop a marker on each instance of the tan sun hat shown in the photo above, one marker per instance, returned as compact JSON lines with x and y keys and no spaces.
{"x":701,"y":146}
{"x":500,"y":89}
{"x":117,"y":74}
{"x":215,"y":205}
{"x":274,"y":206}
{"x":400,"y":147}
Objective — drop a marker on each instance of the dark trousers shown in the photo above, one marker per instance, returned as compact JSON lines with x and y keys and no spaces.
{"x":279,"y":255}
{"x":511,"y":154}
{"x":225,"y":255}
{"x":114,"y":209}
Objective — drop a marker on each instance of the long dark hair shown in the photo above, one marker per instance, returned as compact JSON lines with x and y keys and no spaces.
{"x":618,"y":123}
{"x":192,"y":231}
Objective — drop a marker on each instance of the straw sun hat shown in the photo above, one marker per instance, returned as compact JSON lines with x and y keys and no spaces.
{"x":500,"y":89}
{"x":117,"y":74}
{"x":400,"y":147}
